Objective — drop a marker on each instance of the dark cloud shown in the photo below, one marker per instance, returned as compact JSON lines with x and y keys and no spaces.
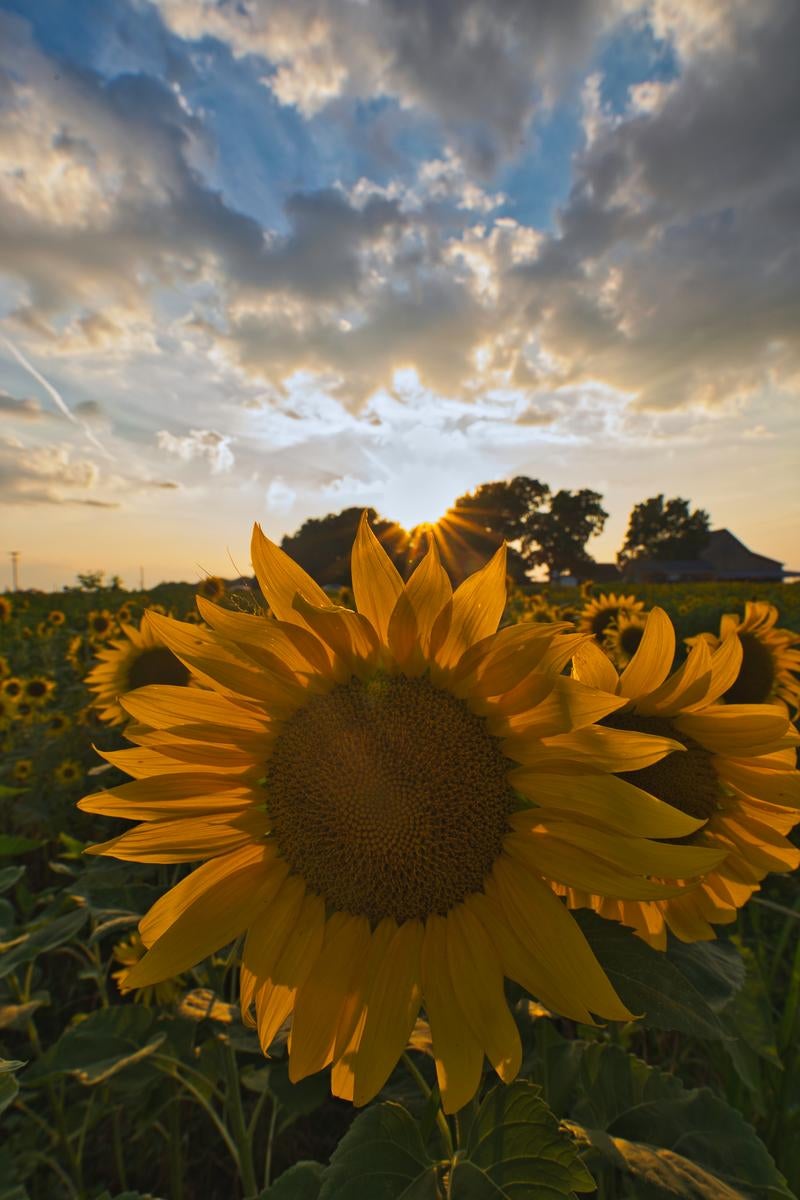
{"x":23,"y":407}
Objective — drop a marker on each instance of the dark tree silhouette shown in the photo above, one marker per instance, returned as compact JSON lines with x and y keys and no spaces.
{"x":555,"y":536}
{"x":322,"y":545}
{"x":480,"y":520}
{"x":665,"y":529}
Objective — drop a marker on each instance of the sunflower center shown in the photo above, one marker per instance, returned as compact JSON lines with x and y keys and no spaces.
{"x":756,"y":677}
{"x":157,"y":665}
{"x":629,"y":638}
{"x":687,"y":780}
{"x":602,"y":619}
{"x":389,"y":798}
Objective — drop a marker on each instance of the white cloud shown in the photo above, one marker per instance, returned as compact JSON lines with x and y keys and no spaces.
{"x":199,"y":444}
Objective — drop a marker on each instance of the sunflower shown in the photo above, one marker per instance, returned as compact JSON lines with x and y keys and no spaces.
{"x":38,"y":689}
{"x":56,"y":724}
{"x":128,"y":953}
{"x":737,"y":773}
{"x":11,"y":688}
{"x":69,"y":772}
{"x":100,"y":625}
{"x":212,"y":588}
{"x":5,"y":668}
{"x":56,"y":618}
{"x":43,"y":630}
{"x":124,"y":613}
{"x":770,"y":669}
{"x":622,"y":638}
{"x":6,"y":609}
{"x":22,"y":770}
{"x":598,"y":613}
{"x":379,"y":796}
{"x":133,"y":661}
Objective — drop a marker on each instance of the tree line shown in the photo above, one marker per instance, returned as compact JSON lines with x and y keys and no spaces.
{"x":543,"y":528}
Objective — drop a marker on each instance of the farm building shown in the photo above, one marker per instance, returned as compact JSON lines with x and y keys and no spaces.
{"x":724,"y":557}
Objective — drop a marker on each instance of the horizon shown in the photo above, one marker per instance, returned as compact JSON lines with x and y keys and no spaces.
{"x":256,"y":268}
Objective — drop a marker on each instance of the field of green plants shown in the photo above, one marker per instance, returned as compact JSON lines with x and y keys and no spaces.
{"x":165,"y":1093}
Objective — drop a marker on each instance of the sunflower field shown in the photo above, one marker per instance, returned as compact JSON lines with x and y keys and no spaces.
{"x":400,"y":891}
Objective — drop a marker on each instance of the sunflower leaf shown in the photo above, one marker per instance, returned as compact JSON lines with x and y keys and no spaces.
{"x":46,"y":937}
{"x":676,"y":1143}
{"x":517,"y":1151}
{"x":648,"y":981}
{"x":382,"y":1156}
{"x":301,"y":1182}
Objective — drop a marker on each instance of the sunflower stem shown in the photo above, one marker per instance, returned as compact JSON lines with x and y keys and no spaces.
{"x":441,"y":1119}
{"x":273,"y":1124}
{"x":233,"y":1102}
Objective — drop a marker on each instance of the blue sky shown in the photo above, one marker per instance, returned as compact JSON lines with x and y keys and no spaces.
{"x":260,"y":261}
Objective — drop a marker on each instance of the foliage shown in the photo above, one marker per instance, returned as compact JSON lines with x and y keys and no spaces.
{"x":665,"y":529}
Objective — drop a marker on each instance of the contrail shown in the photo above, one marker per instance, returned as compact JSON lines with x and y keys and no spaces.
{"x":56,"y":397}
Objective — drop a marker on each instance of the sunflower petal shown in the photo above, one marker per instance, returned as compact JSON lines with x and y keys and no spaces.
{"x":592,"y":666}
{"x":456,"y":1050}
{"x":652,"y":662}
{"x":276,"y":996}
{"x":281,"y":579}
{"x":377,"y":584}
{"x":477,"y":608}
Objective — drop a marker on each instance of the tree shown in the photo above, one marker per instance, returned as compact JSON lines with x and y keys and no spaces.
{"x":470,"y":532}
{"x":665,"y":529}
{"x":556,"y":536}
{"x":322,"y":545}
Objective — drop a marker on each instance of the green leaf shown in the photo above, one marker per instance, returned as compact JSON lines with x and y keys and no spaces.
{"x":9,"y":1088}
{"x":648,"y":982}
{"x":516,"y":1150}
{"x":673,"y":1141}
{"x":716,"y":969}
{"x":381,"y":1156}
{"x":11,"y":845}
{"x":301,"y":1182}
{"x":46,"y":937}
{"x":9,"y":876}
{"x":100,"y":1046}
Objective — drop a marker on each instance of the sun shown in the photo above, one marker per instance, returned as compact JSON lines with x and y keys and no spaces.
{"x":417,"y":498}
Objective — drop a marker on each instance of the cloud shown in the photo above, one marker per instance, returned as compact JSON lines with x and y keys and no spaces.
{"x":47,"y":475}
{"x":479,"y":70}
{"x":23,"y":407}
{"x":202,"y":444}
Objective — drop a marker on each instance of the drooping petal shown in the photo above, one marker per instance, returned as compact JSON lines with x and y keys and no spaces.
{"x":652,"y":661}
{"x":594,"y":749}
{"x":186,"y":839}
{"x":606,"y":800}
{"x":457,"y":1052}
{"x":276,"y":995}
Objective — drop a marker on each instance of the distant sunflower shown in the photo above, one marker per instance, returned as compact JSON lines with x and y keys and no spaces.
{"x":22,"y":770}
{"x":43,"y":630}
{"x":135,"y":660}
{"x":56,"y":724}
{"x":211,"y":588}
{"x":598,"y":612}
{"x":8,"y":710}
{"x":622,"y":638}
{"x":770,"y":667}
{"x":56,"y":618}
{"x":124,"y":613}
{"x":100,"y":625}
{"x":737,"y":774}
{"x":128,"y":952}
{"x":5,"y":669}
{"x":6,"y":609}
{"x":380,"y":796}
{"x":38,"y":689}
{"x":11,"y":688}
{"x":69,"y":772}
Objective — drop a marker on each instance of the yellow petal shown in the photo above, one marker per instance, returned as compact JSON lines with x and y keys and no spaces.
{"x":478,"y":980}
{"x":652,"y":662}
{"x":456,"y":1050}
{"x":685,"y":687}
{"x":392,"y":1009}
{"x":171,"y":795}
{"x":594,"y":749}
{"x":569,"y":705}
{"x":353,"y":1018}
{"x":281,"y":579}
{"x":477,"y":608}
{"x":187,"y":839}
{"x":162,"y":706}
{"x":296,"y":646}
{"x":377,"y":584}
{"x":592,"y":666}
{"x":321,"y":998}
{"x":276,"y":996}
{"x":402,"y":637}
{"x":347,"y":633}
{"x":726,"y":663}
{"x":209,"y":921}
{"x":578,"y":868}
{"x":604,"y":799}
{"x":736,"y":728}
{"x":636,"y":856}
{"x":429,"y":590}
{"x":543,"y":923}
{"x":270,"y":929}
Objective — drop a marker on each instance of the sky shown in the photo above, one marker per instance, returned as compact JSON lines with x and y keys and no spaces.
{"x":261,"y":260}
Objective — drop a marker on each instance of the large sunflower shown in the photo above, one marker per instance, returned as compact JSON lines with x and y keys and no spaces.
{"x":622,"y":638}
{"x":770,"y":667}
{"x":738,"y":773}
{"x":599,"y":611}
{"x":381,"y":796}
{"x":135,"y":660}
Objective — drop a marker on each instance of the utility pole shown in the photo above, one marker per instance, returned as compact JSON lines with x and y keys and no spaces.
{"x":14,"y":569}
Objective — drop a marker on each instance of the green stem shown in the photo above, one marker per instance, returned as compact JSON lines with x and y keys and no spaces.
{"x":119,"y":1157}
{"x":273,"y":1124}
{"x":441,"y":1119}
{"x":233,"y":1099}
